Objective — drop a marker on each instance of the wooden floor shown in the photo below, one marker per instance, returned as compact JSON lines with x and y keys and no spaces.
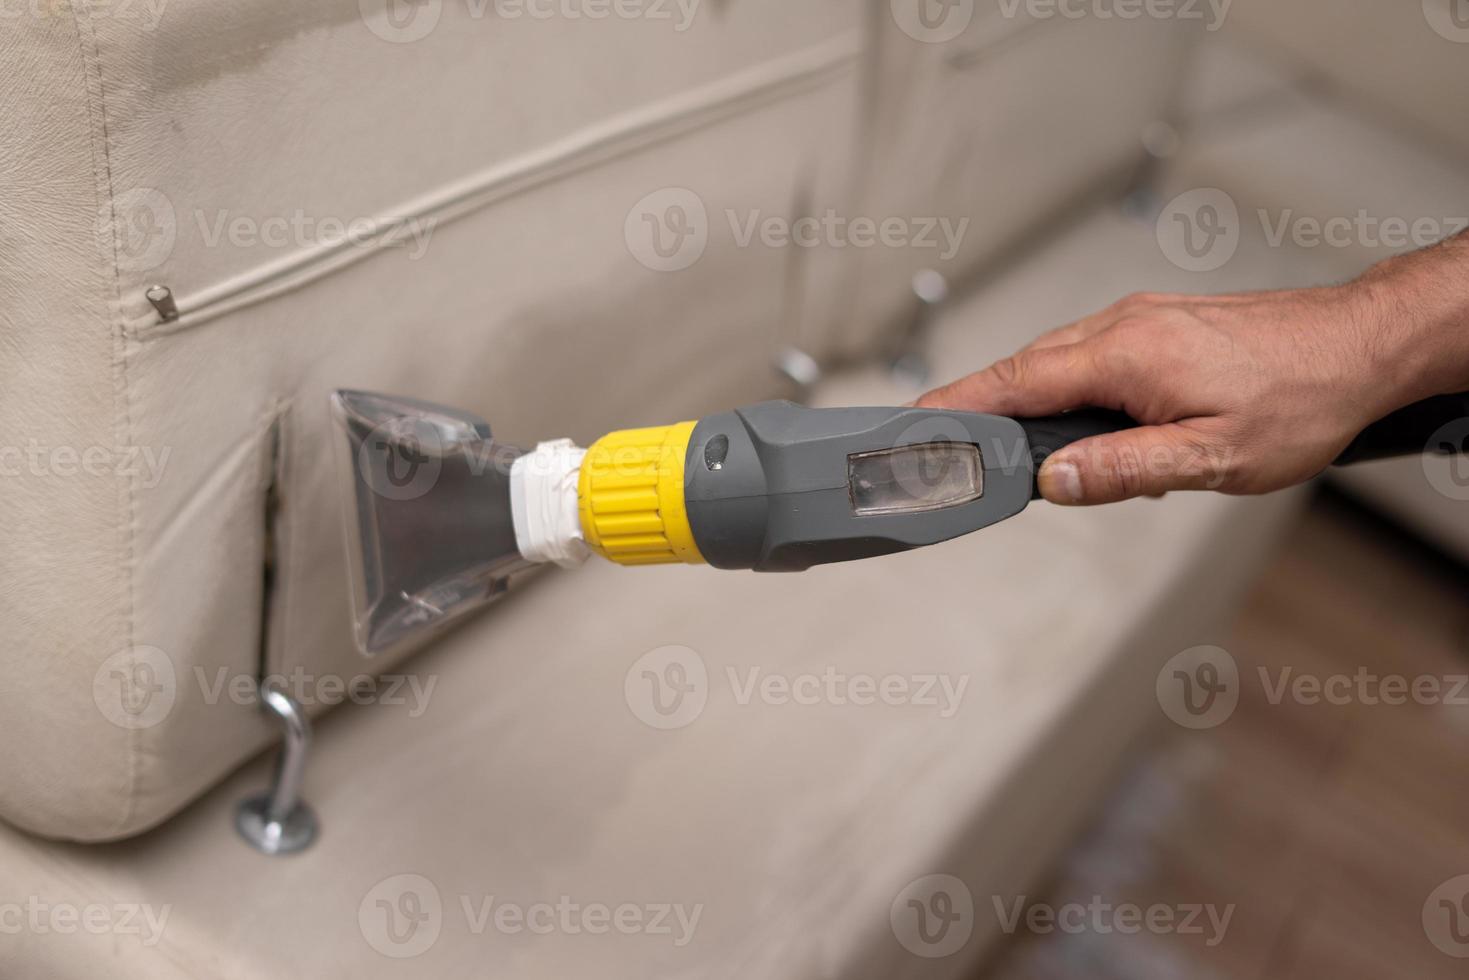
{"x":1326,"y":826}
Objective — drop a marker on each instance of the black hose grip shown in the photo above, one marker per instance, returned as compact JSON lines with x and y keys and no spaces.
{"x":1408,"y":431}
{"x":1047,"y":435}
{"x":1415,"y":430}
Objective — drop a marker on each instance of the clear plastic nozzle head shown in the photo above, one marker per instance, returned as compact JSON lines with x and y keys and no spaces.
{"x":426,"y":504}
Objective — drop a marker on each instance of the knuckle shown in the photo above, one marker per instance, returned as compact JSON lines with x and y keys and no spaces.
{"x":1009,"y":372}
{"x":1135,"y":329}
{"x":1120,"y":352}
{"x":1218,"y":462}
{"x":1136,"y":301}
{"x":1128,"y":475}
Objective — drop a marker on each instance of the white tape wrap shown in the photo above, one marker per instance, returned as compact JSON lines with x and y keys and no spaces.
{"x":543,"y":504}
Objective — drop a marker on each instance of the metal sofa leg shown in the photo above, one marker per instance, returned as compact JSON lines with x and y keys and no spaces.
{"x":279,"y":821}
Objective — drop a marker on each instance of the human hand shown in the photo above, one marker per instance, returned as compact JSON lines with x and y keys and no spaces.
{"x":1241,"y":394}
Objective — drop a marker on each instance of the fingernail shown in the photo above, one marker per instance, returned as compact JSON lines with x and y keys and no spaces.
{"x":1061,"y":482}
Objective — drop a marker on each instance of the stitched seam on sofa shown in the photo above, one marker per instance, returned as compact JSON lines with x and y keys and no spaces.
{"x":91,"y":52}
{"x":623,"y":134}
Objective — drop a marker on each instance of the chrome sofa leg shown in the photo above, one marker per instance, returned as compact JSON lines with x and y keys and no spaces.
{"x":279,"y":821}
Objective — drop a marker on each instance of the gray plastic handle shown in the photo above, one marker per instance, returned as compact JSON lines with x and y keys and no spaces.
{"x":768,"y":486}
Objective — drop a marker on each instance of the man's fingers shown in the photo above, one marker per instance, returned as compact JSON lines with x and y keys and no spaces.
{"x":1149,"y":461}
{"x":1031,"y":384}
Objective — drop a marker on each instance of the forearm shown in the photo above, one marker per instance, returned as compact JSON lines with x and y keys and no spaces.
{"x":1417,"y":305}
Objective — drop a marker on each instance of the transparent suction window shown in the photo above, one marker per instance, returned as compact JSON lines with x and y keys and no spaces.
{"x":914,"y":479}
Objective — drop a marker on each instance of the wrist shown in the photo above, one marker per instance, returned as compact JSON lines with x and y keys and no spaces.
{"x":1412,"y":315}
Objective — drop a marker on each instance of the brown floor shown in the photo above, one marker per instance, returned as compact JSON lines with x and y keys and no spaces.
{"x":1327,"y":827}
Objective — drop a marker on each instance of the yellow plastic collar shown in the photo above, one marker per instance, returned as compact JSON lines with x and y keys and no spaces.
{"x":631,"y":497}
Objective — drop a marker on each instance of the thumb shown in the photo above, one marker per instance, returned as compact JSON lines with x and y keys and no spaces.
{"x":1148,"y":461}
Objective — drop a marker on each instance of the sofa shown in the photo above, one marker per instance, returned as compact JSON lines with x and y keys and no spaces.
{"x":214,"y":217}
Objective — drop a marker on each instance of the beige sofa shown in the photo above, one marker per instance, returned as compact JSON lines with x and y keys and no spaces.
{"x":500,"y":170}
